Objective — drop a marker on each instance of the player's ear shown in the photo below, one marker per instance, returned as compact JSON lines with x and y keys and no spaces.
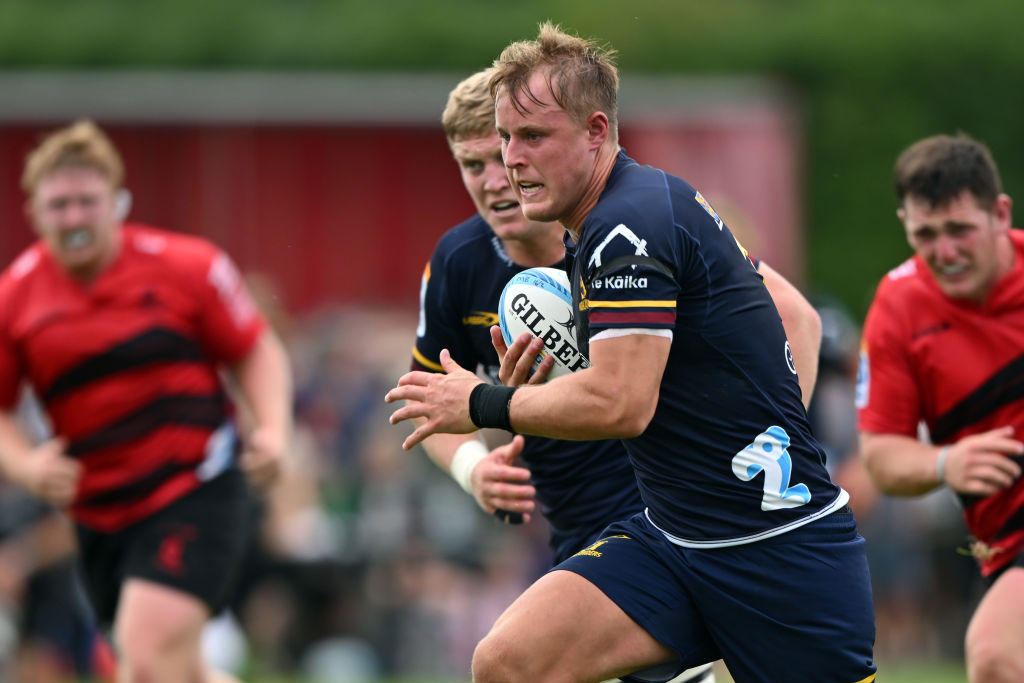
{"x":597,"y":128}
{"x":122,"y":203}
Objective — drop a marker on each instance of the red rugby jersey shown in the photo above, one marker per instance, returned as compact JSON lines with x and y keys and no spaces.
{"x":127,"y":365}
{"x":959,"y":367}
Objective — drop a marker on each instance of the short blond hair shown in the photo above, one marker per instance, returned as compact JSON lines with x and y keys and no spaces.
{"x":470,"y":108}
{"x":582,"y":76}
{"x":80,"y":145}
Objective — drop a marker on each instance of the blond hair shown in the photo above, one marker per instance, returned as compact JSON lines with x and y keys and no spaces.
{"x":470,"y":108}
{"x":80,"y":145}
{"x":581,"y":75}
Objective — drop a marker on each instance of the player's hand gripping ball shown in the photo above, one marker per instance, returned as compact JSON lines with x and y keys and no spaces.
{"x":538,"y":301}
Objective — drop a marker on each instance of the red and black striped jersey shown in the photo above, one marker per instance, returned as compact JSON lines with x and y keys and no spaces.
{"x":958,"y":367}
{"x":127,"y":366}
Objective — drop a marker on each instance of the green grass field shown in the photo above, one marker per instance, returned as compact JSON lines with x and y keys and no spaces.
{"x":905,"y":672}
{"x":888,"y":672}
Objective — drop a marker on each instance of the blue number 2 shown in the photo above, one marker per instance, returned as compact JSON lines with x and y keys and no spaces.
{"x":768,"y":453}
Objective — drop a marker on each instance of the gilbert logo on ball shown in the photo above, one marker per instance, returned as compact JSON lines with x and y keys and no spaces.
{"x":538,"y":301}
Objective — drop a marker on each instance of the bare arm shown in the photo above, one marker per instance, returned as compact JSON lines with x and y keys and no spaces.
{"x":43,"y":470}
{"x":265,"y":381}
{"x":614,"y":398}
{"x":802,"y":324}
{"x":977,"y":464}
{"x":487,"y":475}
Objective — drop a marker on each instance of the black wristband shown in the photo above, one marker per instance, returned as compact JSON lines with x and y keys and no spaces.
{"x":489,"y":404}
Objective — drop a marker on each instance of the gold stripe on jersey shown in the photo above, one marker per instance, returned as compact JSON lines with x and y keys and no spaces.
{"x":425,"y":362}
{"x":641,"y":303}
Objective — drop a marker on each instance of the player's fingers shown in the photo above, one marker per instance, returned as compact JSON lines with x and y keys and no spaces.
{"x":507,"y":473}
{"x":511,"y":357}
{"x":407,"y":393}
{"x":418,"y":434}
{"x":524,"y":365}
{"x":416,"y":377}
{"x":498,"y":341}
{"x":448,"y":363}
{"x":407,"y":412}
{"x":540,"y":375}
{"x":996,"y":461}
{"x":511,"y":498}
{"x":506,"y":453}
{"x":1007,"y":446}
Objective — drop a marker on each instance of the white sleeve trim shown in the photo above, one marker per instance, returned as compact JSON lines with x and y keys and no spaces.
{"x":626,"y":331}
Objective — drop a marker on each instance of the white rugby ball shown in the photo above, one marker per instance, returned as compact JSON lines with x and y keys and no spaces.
{"x":538,"y":301}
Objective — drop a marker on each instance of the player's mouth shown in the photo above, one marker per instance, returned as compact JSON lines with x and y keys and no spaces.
{"x":504,"y":207}
{"x":952,"y":271}
{"x":529,"y":189}
{"x":78,"y":238}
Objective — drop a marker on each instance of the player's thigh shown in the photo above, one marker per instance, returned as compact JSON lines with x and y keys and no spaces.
{"x":154,"y":618}
{"x":995,"y":629}
{"x":564,"y":620}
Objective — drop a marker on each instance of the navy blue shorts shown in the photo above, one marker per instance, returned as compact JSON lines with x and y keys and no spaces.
{"x":795,"y":607}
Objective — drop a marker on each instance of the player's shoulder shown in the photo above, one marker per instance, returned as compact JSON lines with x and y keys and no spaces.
{"x":146,"y":239}
{"x":471,"y":241}
{"x":27,"y":265}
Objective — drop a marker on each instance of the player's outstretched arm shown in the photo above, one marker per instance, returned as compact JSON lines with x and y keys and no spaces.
{"x":802,"y":324}
{"x":612,"y":399}
{"x":976,"y":465}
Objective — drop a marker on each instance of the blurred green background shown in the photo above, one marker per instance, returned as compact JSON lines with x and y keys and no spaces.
{"x":872,"y":76}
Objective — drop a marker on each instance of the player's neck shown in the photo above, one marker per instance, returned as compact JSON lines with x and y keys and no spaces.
{"x":603,"y":165}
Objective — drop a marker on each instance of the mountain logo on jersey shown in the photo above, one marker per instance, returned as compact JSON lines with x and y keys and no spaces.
{"x":769,"y":454}
{"x":619,"y":230}
{"x":711,"y":212}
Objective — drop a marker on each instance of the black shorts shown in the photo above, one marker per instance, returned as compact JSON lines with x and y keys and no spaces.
{"x":991,"y":578}
{"x":194,"y":545}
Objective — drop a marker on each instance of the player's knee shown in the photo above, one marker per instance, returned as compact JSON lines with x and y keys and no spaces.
{"x":496,"y":661}
{"x":137,"y":669}
{"x":988,"y":662}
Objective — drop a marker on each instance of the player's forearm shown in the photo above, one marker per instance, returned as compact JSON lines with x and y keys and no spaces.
{"x":441,"y":448}
{"x":265,"y":381}
{"x":580,"y":407}
{"x":900,"y":465}
{"x":15,"y":449}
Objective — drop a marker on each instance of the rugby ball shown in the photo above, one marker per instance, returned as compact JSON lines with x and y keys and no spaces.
{"x":538,"y":301}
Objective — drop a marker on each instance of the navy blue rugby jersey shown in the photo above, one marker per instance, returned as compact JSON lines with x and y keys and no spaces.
{"x":582,"y":486}
{"x":728,"y":457}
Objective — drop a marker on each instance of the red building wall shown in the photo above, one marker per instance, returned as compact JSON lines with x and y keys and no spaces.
{"x":346,"y":212}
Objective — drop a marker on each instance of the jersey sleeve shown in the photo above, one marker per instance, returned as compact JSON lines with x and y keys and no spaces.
{"x":229,"y":320}
{"x":628,"y":282}
{"x":10,"y":370}
{"x":888,"y":401}
{"x":438,"y":326}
